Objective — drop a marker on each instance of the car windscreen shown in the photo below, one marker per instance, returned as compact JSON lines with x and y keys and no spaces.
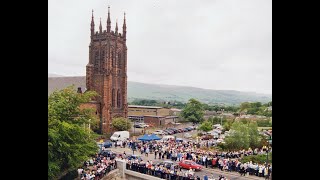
{"x":115,"y":135}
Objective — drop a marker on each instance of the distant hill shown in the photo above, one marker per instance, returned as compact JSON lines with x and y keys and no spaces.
{"x":138,"y":90}
{"x":54,"y":75}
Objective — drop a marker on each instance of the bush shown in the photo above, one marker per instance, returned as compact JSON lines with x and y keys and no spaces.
{"x":70,"y":175}
{"x":261,"y":158}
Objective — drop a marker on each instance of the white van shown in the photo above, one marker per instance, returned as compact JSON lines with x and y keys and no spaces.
{"x":120,"y":136}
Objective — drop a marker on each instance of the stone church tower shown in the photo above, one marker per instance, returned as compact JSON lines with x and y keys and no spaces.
{"x":106,"y":72}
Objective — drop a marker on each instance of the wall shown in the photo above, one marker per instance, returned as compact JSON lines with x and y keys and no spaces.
{"x":132,"y":175}
{"x":141,"y":111}
{"x":91,"y":105}
{"x":112,"y":175}
{"x":163,"y":112}
{"x":155,"y":121}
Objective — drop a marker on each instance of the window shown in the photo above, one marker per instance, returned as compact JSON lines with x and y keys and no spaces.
{"x":118,"y":98}
{"x":102,"y":55}
{"x":113,"y":98}
{"x":113,"y":59}
{"x":119,"y":59}
{"x":119,"y":56}
{"x":96,"y":58}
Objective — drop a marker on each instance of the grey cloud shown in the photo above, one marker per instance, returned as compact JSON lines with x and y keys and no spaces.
{"x":222,"y":44}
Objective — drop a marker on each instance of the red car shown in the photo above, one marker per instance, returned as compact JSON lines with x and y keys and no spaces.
{"x":187,"y":164}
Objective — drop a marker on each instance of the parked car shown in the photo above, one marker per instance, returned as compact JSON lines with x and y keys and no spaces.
{"x":134,"y":156}
{"x":175,"y":130}
{"x":187,"y":164}
{"x":107,"y":144}
{"x":170,"y":131}
{"x":185,"y":129}
{"x":190,"y":128}
{"x":166,"y":164}
{"x":140,"y":125}
{"x":165,"y":132}
{"x":144,"y":125}
{"x":108,"y":153}
{"x":158,"y":132}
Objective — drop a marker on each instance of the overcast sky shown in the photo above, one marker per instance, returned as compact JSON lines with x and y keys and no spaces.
{"x":212,"y":44}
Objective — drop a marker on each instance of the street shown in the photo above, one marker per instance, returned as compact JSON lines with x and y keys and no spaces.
{"x":209,"y":171}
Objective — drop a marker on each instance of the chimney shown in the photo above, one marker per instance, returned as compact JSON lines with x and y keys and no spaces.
{"x":79,"y":90}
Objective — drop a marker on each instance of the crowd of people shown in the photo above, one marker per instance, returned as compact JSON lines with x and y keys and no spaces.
{"x":176,"y":151}
{"x":96,"y":168}
{"x":163,"y":171}
{"x":187,"y":150}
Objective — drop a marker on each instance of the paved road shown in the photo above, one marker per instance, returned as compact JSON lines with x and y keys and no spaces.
{"x":209,"y":171}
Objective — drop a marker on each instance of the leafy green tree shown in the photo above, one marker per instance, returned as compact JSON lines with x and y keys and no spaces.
{"x":214,"y":120}
{"x":238,"y":137}
{"x":227,"y":125}
{"x":244,"y":120}
{"x":205,"y":126}
{"x":244,"y":105}
{"x":193,"y":111}
{"x":254,"y":135}
{"x":121,"y":124}
{"x":264,"y":123}
{"x":69,"y":143}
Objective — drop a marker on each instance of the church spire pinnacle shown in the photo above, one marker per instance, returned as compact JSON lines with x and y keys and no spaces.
{"x":92,"y":24}
{"x":116,"y":30}
{"x":100,"y":27}
{"x":108,"y":20}
{"x":124,"y":27}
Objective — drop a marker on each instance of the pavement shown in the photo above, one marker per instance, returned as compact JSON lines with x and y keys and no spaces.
{"x":209,"y":171}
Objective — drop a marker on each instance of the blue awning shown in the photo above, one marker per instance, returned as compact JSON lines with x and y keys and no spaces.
{"x":148,"y":137}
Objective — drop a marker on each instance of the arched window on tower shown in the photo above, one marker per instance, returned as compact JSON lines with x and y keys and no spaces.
{"x":113,"y":59}
{"x":102,"y":56}
{"x":118,"y":99}
{"x":113,"y":97}
{"x":96,"y":58}
{"x":119,"y":59}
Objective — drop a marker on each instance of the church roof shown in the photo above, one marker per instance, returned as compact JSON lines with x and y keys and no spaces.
{"x":58,"y":83}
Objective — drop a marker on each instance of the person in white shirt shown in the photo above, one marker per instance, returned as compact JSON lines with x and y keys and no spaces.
{"x":80,"y":171}
{"x":260,"y":171}
{"x":204,"y":160}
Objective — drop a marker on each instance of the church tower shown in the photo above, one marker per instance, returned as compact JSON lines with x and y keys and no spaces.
{"x":106,"y":72}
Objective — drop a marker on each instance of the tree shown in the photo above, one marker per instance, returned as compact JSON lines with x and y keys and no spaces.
{"x":193,"y":111}
{"x":205,"y":126}
{"x":121,"y":124}
{"x":214,"y":120}
{"x":238,"y":137}
{"x":254,"y":135}
{"x":244,"y":105}
{"x":227,"y":125}
{"x":69,"y":143}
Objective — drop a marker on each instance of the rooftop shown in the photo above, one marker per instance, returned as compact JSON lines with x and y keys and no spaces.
{"x":147,"y":107}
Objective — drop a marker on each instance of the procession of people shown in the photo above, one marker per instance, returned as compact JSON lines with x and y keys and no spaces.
{"x":187,"y":150}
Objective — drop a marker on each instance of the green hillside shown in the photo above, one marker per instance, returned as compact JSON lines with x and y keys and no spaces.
{"x":181,"y":93}
{"x":167,"y":92}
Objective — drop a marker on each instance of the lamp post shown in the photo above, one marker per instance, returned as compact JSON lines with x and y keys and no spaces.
{"x":134,"y":127}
